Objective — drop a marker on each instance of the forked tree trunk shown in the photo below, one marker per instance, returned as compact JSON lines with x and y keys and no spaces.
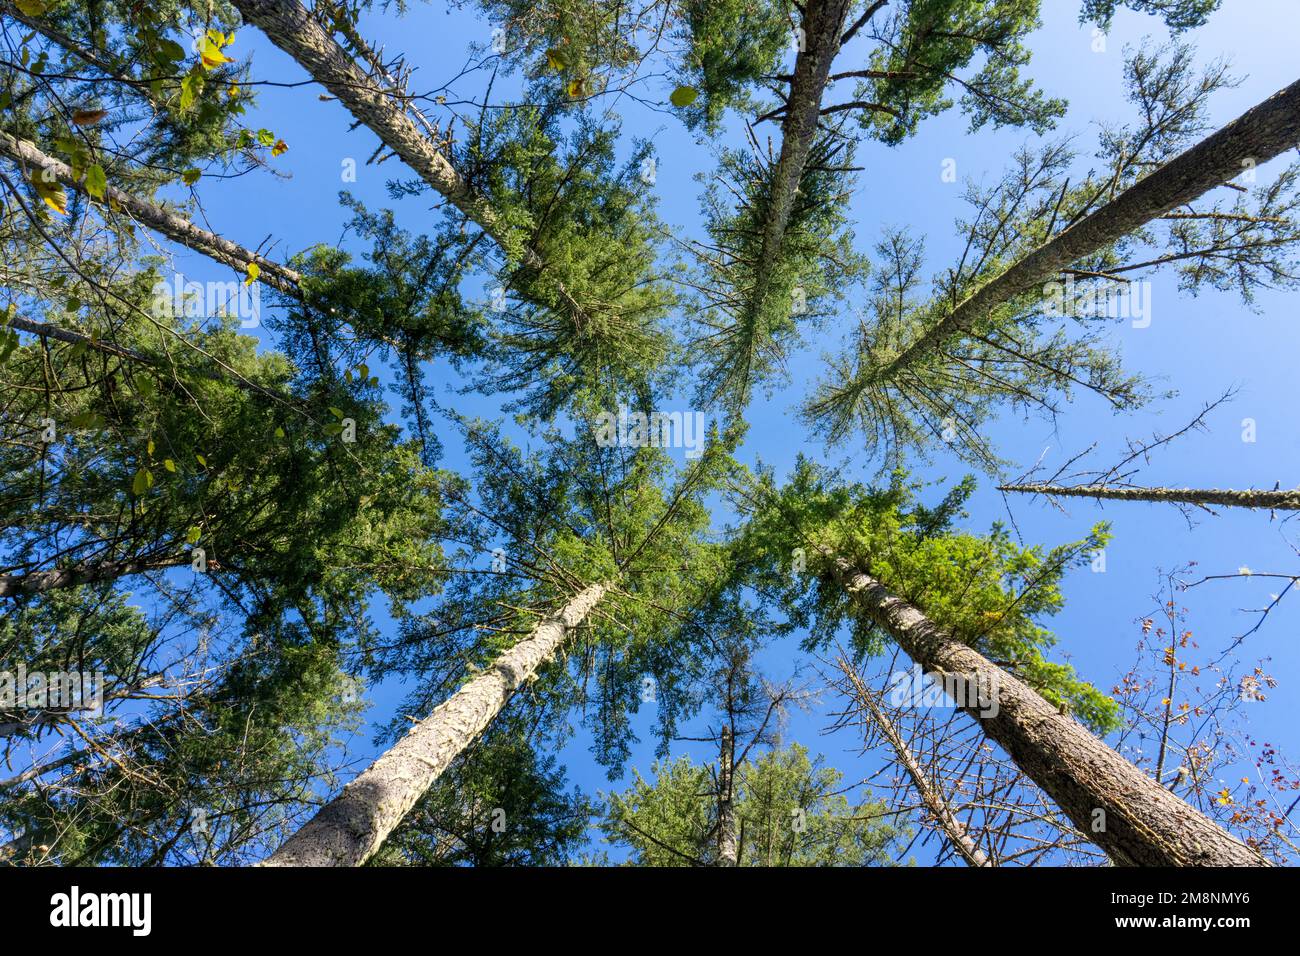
{"x":1258,"y":135}
{"x":1125,"y":812}
{"x":1284,"y":500}
{"x":351,"y":828}
{"x":728,"y":850}
{"x":931,"y":798}
{"x":158,"y":218}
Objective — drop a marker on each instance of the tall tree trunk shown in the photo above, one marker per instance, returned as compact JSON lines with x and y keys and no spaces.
{"x":37,"y":582}
{"x":1128,"y":814}
{"x":728,"y":850}
{"x":291,"y":27}
{"x":926,"y":789}
{"x":1258,"y":135}
{"x":1282,"y":500}
{"x":156,"y":217}
{"x":823,"y":24}
{"x":351,"y":828}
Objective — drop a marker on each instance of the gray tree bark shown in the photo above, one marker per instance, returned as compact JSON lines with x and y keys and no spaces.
{"x":1124,"y":811}
{"x":1258,"y":135}
{"x":156,"y":217}
{"x":291,"y":27}
{"x":728,"y":850}
{"x":46,"y":330}
{"x":37,"y":582}
{"x":351,"y":828}
{"x":1287,"y":499}
{"x":823,"y":24}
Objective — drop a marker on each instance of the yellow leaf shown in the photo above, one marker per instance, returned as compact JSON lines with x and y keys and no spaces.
{"x":169,"y":465}
{"x":53,"y":195}
{"x":254,"y":270}
{"x":211,"y":55}
{"x":280,"y":147}
{"x":32,"y":8}
{"x":554,"y":60}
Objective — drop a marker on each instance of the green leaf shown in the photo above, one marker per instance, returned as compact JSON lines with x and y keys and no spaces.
{"x":142,"y":482}
{"x":8,"y":342}
{"x":191,"y":86}
{"x":85,"y":420}
{"x":333,"y":428}
{"x":169,"y":465}
{"x":684,"y":96}
{"x":336,"y":412}
{"x":192,"y":536}
{"x":96,"y":181}
{"x":191,"y":176}
{"x":171,"y":49}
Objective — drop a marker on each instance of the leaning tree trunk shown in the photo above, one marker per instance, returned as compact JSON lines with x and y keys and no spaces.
{"x":1258,"y":135}
{"x":170,"y":224}
{"x":1283,"y":500}
{"x":728,"y":850}
{"x":1125,"y":812}
{"x":45,"y":330}
{"x":351,"y":828}
{"x":38,"y":582}
{"x":934,"y":801}
{"x":291,"y":27}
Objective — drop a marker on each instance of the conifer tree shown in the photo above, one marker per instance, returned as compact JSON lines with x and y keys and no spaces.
{"x":567,"y":568}
{"x":951,"y":601}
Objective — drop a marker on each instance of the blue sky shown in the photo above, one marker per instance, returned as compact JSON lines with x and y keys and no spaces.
{"x":1197,"y":346}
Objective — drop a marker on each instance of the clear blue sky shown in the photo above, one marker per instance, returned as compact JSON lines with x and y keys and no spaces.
{"x":1198,"y":346}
